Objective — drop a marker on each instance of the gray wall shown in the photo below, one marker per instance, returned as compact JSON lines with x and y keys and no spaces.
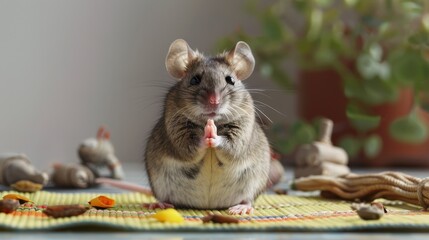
{"x":68,"y":66}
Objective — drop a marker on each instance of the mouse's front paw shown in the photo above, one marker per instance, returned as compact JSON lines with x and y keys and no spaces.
{"x":212,"y":142}
{"x":210,"y":134}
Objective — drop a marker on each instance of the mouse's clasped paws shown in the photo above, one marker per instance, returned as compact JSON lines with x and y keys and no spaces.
{"x":210,"y":134}
{"x":241,"y":209}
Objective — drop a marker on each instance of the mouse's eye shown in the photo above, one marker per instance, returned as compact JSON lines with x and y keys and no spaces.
{"x":230,"y":80}
{"x":195,"y":80}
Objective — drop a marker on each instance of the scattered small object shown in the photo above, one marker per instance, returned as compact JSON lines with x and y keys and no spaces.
{"x":8,"y":205}
{"x":102,"y":202}
{"x":368,"y":211}
{"x":26,"y":186}
{"x":169,"y":215}
{"x":321,"y":157}
{"x":98,"y":154}
{"x":72,"y":176}
{"x":217,"y":218}
{"x":281,"y":191}
{"x":20,"y":198}
{"x":368,"y":187}
{"x":379,"y":205}
{"x":60,"y":211}
{"x":15,"y":167}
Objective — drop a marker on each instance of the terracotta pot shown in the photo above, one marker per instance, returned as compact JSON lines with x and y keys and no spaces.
{"x":321,"y":93}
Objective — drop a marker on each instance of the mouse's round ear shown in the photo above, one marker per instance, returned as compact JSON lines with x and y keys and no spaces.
{"x":241,"y":60}
{"x":178,"y":57}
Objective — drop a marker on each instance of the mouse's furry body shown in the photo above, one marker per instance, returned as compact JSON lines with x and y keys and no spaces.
{"x":182,"y":169}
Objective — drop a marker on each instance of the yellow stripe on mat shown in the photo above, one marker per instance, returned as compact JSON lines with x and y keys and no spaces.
{"x":272,"y":213}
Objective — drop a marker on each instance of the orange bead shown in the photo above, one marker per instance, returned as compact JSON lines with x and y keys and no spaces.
{"x":102,"y":202}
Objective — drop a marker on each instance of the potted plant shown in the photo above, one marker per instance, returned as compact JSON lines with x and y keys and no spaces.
{"x":361,"y":63}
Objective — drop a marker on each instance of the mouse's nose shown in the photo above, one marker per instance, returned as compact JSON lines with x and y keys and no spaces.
{"x":213,"y":99}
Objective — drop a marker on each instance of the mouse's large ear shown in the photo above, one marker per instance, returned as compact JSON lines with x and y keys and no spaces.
{"x":178,"y":57}
{"x":242,"y":60}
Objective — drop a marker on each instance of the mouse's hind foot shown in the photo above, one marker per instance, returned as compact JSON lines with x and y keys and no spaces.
{"x":245,"y":207}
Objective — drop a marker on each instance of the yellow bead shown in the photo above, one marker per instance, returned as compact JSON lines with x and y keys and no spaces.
{"x":169,"y":215}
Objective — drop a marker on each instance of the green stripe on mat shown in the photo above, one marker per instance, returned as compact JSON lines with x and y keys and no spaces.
{"x":272,"y":213}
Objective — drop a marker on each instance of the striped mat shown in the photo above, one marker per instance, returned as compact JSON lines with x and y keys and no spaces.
{"x":272,"y":213}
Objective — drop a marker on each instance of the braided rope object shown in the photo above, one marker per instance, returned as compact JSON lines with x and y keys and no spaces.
{"x":368,"y":187}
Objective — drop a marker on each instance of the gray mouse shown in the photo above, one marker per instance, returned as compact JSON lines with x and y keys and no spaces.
{"x":207,"y":150}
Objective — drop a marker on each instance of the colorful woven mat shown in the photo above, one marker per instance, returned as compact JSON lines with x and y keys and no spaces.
{"x":272,"y":213}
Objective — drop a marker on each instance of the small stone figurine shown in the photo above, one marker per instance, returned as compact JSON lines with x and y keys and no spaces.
{"x":321,"y":157}
{"x":73,"y":176}
{"x":98,"y":160}
{"x":98,"y":153}
{"x":16,"y":167}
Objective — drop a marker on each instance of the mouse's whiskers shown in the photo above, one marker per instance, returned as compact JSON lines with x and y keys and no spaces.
{"x":270,"y":107}
{"x":180,"y":111}
{"x":259,"y":110}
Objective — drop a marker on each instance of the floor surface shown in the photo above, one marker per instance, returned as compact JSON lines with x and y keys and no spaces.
{"x":135,"y":173}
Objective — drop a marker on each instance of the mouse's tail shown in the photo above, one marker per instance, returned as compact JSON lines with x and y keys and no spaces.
{"x":124,"y":185}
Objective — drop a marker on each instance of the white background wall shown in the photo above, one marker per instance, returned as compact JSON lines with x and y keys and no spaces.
{"x":68,"y":66}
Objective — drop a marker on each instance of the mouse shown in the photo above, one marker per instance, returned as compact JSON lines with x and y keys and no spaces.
{"x":207,"y":150}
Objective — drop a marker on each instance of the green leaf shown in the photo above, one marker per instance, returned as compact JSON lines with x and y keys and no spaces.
{"x":300,"y":5}
{"x":372,"y":145}
{"x":373,"y":92}
{"x":324,"y":55}
{"x":409,"y":129}
{"x":266,"y":70}
{"x":351,"y":145}
{"x":378,"y":91}
{"x":350,"y":3}
{"x":425,"y":22}
{"x":284,"y":146}
{"x":355,"y":108}
{"x":412,"y":8}
{"x":367,"y":66}
{"x":362,"y":122}
{"x":278,"y":137}
{"x":420,"y":39}
{"x":376,"y":52}
{"x":302,"y":133}
{"x":409,"y":67}
{"x":280,"y":76}
{"x":287,"y":140}
{"x":352,"y":88}
{"x":315,"y":24}
{"x":370,"y":65}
